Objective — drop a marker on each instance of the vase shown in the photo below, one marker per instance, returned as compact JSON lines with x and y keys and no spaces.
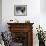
{"x":41,"y":43}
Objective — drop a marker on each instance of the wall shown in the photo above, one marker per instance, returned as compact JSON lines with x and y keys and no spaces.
{"x":0,"y":15}
{"x":43,"y":6}
{"x":43,"y":14}
{"x":33,"y":10}
{"x":34,"y":14}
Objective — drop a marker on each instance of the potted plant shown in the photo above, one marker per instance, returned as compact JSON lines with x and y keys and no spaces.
{"x":41,"y":36}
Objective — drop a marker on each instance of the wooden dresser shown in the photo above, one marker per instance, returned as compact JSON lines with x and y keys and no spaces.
{"x":22,"y":33}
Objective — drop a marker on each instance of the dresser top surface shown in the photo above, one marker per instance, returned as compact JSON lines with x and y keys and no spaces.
{"x":19,"y":23}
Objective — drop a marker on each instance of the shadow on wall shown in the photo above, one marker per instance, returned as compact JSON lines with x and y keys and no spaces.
{"x":0,"y":15}
{"x":43,"y":6}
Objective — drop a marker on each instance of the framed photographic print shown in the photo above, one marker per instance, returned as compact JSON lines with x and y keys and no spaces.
{"x":20,"y":10}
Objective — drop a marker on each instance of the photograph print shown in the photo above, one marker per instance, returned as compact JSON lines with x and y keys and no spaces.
{"x":20,"y":10}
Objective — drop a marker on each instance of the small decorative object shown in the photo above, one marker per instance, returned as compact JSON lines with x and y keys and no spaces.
{"x":27,"y":21}
{"x":41,"y":36}
{"x":20,"y":10}
{"x":13,"y":21}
